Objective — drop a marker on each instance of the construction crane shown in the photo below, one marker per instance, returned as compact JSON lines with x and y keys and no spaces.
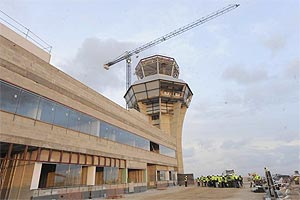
{"x":127,"y":54}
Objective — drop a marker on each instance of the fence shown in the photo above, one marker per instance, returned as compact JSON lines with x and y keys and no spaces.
{"x":86,"y":192}
{"x":24,"y":31}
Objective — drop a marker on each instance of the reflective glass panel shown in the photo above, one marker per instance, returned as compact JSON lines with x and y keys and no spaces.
{"x":142,"y":143}
{"x":111,"y":175}
{"x":128,"y":138}
{"x":123,"y":137}
{"x":9,"y":97}
{"x":46,"y":111}
{"x":61,"y":173}
{"x":166,"y":151}
{"x":74,"y":175}
{"x":28,"y":104}
{"x":153,"y":93}
{"x":67,"y":175}
{"x":74,"y":120}
{"x":141,"y":95}
{"x":113,"y":134}
{"x":105,"y":130}
{"x":85,"y":124}
{"x":139,"y":88}
{"x":95,"y":126}
{"x":61,"y":116}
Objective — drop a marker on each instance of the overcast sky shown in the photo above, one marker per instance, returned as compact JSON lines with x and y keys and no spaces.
{"x":243,"y":68}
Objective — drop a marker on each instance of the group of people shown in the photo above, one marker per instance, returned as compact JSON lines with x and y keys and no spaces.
{"x":232,"y":181}
{"x":255,"y":179}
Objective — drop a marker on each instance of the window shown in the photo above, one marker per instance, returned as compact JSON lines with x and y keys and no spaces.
{"x":95,"y":126}
{"x":154,"y":147}
{"x":99,"y":176}
{"x":61,"y":116}
{"x":28,"y":104}
{"x":111,"y":175}
{"x":161,"y":175}
{"x":58,"y":175}
{"x":47,"y":176}
{"x":74,"y":120}
{"x":128,"y":138}
{"x":136,"y":175}
{"x":155,"y":117}
{"x":9,"y":97}
{"x":141,"y":143}
{"x":85,"y":124}
{"x":105,"y":130}
{"x":166,"y":151}
{"x":46,"y":111}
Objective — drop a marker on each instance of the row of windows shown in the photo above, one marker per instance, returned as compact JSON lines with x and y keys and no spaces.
{"x":22,"y":102}
{"x":68,"y":175}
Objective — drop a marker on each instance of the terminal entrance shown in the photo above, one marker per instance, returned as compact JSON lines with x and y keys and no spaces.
{"x":160,"y":176}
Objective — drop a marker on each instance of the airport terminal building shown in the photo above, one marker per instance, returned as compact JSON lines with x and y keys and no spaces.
{"x":61,"y":139}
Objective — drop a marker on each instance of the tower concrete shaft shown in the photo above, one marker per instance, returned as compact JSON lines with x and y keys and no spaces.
{"x":160,"y":95}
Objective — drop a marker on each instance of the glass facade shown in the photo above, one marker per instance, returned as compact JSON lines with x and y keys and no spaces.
{"x":9,"y":97}
{"x":166,"y":151}
{"x":28,"y":104}
{"x":61,"y":175}
{"x":67,"y":175}
{"x":22,"y":102}
{"x":111,"y":175}
{"x":46,"y":111}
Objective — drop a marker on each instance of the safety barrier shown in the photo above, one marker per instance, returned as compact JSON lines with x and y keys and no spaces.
{"x":89,"y":192}
{"x":24,"y":31}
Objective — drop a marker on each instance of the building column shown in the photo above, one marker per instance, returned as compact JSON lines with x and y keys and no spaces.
{"x":36,"y":176}
{"x":91,"y":174}
{"x":167,"y":175}
{"x":145,"y":176}
{"x":125,"y":174}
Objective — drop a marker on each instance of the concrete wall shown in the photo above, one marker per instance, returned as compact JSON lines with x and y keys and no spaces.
{"x":24,"y":43}
{"x":26,"y":70}
{"x":22,"y":68}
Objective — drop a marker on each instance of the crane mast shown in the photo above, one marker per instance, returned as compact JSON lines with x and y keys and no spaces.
{"x":127,"y":55}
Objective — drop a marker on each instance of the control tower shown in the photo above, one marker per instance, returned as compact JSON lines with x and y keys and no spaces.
{"x":159,"y":94}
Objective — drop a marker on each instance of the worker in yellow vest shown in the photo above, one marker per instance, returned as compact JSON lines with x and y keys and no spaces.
{"x":198,"y":182}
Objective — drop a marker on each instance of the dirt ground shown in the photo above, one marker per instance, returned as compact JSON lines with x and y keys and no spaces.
{"x":193,"y":192}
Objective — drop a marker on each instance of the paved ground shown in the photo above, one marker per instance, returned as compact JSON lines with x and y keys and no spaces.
{"x":193,"y":192}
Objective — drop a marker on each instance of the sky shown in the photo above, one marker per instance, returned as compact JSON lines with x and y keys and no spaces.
{"x":243,"y":68}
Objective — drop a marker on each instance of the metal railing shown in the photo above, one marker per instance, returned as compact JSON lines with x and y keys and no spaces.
{"x":24,"y":31}
{"x":108,"y":190}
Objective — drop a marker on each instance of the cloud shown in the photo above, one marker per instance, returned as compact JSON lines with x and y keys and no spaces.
{"x":259,"y":88}
{"x":292,"y":71}
{"x":243,"y":76}
{"x":231,"y":144}
{"x":87,"y":65}
{"x":188,"y":152}
{"x":272,"y":36}
{"x":244,"y":156}
{"x":274,"y":43}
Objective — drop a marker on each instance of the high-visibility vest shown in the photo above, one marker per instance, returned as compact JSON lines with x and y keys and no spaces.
{"x":219,"y":179}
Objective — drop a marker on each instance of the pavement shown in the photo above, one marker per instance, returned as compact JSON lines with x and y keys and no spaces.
{"x":193,"y":193}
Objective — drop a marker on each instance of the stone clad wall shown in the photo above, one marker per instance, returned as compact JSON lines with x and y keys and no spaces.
{"x":28,"y":71}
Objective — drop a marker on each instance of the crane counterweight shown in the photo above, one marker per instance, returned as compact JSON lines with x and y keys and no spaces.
{"x":106,"y":66}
